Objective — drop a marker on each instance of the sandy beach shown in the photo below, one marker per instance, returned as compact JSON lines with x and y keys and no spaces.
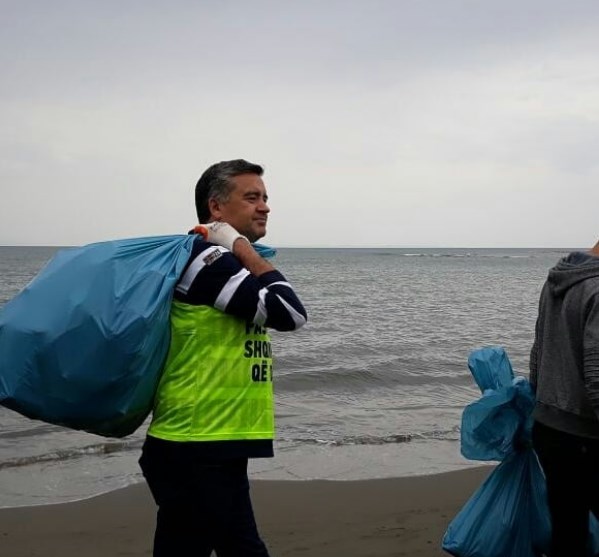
{"x":371,"y":518}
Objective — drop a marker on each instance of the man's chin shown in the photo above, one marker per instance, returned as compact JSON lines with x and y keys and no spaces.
{"x":255,"y":235}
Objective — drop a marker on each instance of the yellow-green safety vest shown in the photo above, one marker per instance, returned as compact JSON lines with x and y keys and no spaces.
{"x":217,"y":380}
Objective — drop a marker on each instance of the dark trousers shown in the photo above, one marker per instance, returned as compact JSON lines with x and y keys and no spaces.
{"x":202,"y":506}
{"x":571,"y":467}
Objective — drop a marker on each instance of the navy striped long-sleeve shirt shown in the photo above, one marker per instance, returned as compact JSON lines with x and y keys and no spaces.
{"x":215,"y":277}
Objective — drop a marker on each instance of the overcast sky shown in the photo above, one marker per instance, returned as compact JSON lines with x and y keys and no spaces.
{"x":379,"y":123}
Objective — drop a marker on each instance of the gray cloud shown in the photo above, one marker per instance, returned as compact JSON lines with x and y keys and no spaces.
{"x":444,"y":123}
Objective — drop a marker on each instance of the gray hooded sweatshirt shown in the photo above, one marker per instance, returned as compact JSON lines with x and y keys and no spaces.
{"x":564,"y":360}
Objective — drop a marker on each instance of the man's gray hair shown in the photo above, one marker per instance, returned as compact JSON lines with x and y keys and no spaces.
{"x":215,"y":183}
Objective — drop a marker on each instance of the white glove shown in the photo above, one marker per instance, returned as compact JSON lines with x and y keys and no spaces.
{"x":220,"y":233}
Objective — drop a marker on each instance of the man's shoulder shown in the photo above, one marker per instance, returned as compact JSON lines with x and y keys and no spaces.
{"x":200,"y":244}
{"x":207,"y":252}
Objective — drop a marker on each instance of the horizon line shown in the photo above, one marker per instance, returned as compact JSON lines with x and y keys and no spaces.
{"x":324,"y":247}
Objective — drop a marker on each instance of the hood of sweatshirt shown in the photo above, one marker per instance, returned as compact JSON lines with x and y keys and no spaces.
{"x":570,"y":270}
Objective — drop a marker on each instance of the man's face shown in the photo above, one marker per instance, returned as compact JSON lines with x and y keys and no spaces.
{"x":245,"y":209}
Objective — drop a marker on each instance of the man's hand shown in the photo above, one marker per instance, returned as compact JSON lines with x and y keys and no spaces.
{"x":223,"y":234}
{"x":220,"y":233}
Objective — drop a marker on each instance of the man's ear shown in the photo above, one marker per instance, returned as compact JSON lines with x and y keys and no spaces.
{"x":215,"y":208}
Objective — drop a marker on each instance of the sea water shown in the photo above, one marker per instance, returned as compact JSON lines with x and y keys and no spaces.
{"x":373,"y":386}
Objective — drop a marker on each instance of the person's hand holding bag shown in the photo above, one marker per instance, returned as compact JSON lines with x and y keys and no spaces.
{"x":220,"y":233}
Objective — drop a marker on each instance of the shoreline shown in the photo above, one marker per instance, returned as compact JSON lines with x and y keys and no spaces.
{"x":326,"y":518}
{"x":71,"y":480}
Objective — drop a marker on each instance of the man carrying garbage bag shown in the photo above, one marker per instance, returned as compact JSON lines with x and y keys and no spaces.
{"x":214,"y":405}
{"x":564,"y":373}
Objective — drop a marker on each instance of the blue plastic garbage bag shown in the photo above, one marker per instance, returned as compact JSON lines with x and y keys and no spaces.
{"x":491,"y":368}
{"x":507,"y":516}
{"x":83,"y":344}
{"x":500,"y":418}
{"x":503,"y":415}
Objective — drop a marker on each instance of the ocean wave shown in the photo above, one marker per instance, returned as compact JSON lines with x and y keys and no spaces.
{"x":72,"y":453}
{"x":361,"y":379}
{"x":102,"y":449}
{"x":37,"y":430}
{"x":465,"y":255}
{"x":392,"y":439}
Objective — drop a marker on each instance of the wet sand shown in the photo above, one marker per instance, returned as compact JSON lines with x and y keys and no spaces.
{"x":371,"y":518}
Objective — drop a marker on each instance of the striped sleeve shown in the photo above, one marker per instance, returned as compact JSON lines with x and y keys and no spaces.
{"x":215,"y":277}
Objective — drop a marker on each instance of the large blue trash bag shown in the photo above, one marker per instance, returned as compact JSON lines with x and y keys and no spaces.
{"x":83,"y":344}
{"x":508,"y":515}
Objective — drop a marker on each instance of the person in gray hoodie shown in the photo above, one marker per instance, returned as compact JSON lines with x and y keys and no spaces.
{"x":564,"y":372}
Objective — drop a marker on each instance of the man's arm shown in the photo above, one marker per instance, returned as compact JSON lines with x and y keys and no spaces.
{"x":533,"y":365}
{"x":591,"y":353}
{"x":243,"y":285}
{"x":534,"y":360}
{"x":250,"y":259}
